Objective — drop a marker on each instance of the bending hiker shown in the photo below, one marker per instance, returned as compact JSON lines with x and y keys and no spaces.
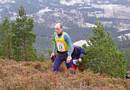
{"x":62,"y":46}
{"x":77,"y":56}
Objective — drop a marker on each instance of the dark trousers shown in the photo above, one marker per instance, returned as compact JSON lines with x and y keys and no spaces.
{"x":60,"y":57}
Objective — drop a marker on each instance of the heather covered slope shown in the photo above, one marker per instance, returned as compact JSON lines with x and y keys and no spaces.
{"x":38,"y":76}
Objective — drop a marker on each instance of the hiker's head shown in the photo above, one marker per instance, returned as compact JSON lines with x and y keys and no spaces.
{"x":58,"y":28}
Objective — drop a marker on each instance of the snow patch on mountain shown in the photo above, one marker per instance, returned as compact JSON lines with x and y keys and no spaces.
{"x":90,"y":25}
{"x":71,"y":2}
{"x":42,"y":11}
{"x":6,"y":1}
{"x":124,"y":37}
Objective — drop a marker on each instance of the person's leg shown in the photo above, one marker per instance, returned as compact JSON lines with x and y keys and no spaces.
{"x":74,"y":67}
{"x":69,"y":65}
{"x":58,"y":60}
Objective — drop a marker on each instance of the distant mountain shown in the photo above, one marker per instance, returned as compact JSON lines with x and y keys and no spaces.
{"x":77,"y":16}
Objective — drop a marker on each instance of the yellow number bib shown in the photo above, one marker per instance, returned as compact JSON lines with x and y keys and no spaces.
{"x":60,"y":46}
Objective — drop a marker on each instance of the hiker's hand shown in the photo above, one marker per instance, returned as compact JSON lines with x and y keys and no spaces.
{"x":68,"y":59}
{"x":52,"y":54}
{"x":80,"y":60}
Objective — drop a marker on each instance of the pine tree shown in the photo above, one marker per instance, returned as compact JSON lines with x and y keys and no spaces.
{"x":24,"y":37}
{"x":102,"y":54}
{"x":6,"y":39}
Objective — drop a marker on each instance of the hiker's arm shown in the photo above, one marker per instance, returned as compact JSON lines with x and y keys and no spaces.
{"x":54,"y":45}
{"x":82,"y":52}
{"x":69,"y":42}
